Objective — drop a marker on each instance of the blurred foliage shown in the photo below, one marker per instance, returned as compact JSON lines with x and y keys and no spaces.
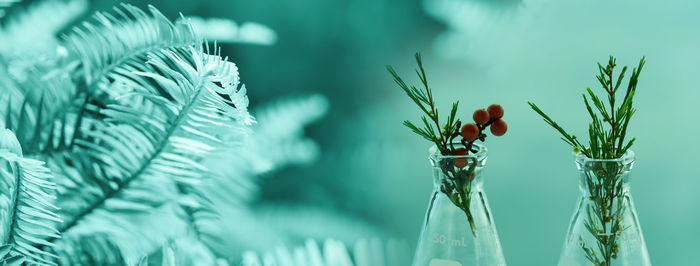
{"x":334,"y":253}
{"x":145,"y":129}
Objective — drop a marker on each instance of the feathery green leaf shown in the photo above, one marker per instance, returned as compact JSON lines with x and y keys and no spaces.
{"x":27,"y":212}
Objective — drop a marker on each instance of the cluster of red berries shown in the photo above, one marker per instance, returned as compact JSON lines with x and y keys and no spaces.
{"x":471,"y":131}
{"x":483,"y":118}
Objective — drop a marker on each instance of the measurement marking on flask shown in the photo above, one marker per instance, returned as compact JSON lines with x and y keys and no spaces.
{"x":442,"y":239}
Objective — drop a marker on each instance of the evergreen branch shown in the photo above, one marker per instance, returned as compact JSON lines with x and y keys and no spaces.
{"x":115,"y":41}
{"x":620,"y":77}
{"x":28,"y":214}
{"x":178,"y":146}
{"x":119,"y":140}
{"x":43,"y":121}
{"x":106,"y":49}
{"x":440,"y":135}
{"x":158,"y":119}
{"x":33,"y":28}
{"x":603,"y":182}
{"x":569,"y":139}
{"x":92,"y":249}
{"x":599,"y":105}
{"x":417,"y":96}
{"x":608,"y":144}
{"x":418,"y":131}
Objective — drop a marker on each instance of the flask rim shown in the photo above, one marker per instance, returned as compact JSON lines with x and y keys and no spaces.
{"x":479,"y":155}
{"x":626,"y":158}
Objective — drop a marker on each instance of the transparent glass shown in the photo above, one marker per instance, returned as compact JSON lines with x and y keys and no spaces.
{"x":604,"y":229}
{"x":459,"y":228}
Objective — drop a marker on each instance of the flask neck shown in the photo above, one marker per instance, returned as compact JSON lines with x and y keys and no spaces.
{"x":601,"y":176}
{"x":621,"y":183}
{"x":441,"y":177}
{"x":458,"y":173}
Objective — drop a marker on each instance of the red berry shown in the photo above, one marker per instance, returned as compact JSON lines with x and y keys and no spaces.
{"x":460,"y":151}
{"x":495,"y":111}
{"x":481,"y":116}
{"x":470,"y":131}
{"x":460,"y":162}
{"x":499,"y":127}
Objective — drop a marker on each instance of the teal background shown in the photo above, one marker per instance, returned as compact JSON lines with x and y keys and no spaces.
{"x":374,"y":169}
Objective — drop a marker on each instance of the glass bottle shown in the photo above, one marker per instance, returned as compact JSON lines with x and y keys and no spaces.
{"x":459,"y":228}
{"x":604,"y":229}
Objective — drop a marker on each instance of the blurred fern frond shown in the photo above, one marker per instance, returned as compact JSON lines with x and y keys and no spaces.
{"x":7,"y":3}
{"x":182,"y":252}
{"x":132,"y":112}
{"x":113,"y":43}
{"x":26,"y":206}
{"x":95,"y":55}
{"x":95,"y":249}
{"x":287,"y":224}
{"x":42,"y":113}
{"x":303,"y":221}
{"x":228,"y":31}
{"x":147,"y":104}
{"x":234,"y":186}
{"x":281,"y":127}
{"x":178,"y":110}
{"x":365,"y":252}
{"x":34,"y":29}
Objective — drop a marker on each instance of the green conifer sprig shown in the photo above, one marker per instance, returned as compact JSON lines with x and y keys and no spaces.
{"x":608,"y":129}
{"x":443,"y":136}
{"x":607,"y":135}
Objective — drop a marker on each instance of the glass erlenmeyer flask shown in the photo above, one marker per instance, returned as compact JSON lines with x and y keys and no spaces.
{"x":459,"y":228}
{"x":604,"y":230}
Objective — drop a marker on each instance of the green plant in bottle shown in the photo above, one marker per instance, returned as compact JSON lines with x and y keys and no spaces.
{"x":605,"y":164}
{"x":452,"y":138}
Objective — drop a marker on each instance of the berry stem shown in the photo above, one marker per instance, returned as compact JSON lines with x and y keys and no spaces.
{"x":468,"y":144}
